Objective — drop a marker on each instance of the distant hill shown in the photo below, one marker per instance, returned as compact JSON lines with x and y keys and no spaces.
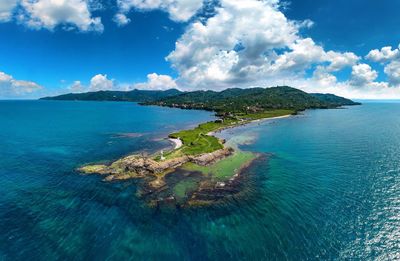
{"x":333,"y":99}
{"x":132,"y":96}
{"x":253,"y":100}
{"x":233,"y":100}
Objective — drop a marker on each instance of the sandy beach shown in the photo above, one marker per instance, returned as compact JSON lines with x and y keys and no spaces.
{"x":212,"y":133}
{"x":178,"y":143}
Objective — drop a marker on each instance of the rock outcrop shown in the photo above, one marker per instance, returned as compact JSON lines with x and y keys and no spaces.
{"x":210,"y":158}
{"x":136,"y":166}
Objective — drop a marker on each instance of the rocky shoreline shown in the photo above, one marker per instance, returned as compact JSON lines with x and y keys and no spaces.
{"x":167,"y":180}
{"x":138,"y":166}
{"x":155,"y":189}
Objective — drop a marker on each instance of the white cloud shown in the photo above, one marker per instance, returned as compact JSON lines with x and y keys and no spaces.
{"x":392,"y":70}
{"x":386,"y":54}
{"x":241,"y":43}
{"x":339,"y":61}
{"x":233,"y":45}
{"x":12,"y":88}
{"x":323,"y":77}
{"x":306,"y":23}
{"x":51,"y":13}
{"x":100,"y":82}
{"x":121,"y":19}
{"x":6,"y":9}
{"x":390,"y":58}
{"x":157,"y":82}
{"x":77,"y":86}
{"x":178,"y":10}
{"x":363,"y":78}
{"x":249,"y":42}
{"x":362,"y":74}
{"x":373,"y":90}
{"x":303,"y":53}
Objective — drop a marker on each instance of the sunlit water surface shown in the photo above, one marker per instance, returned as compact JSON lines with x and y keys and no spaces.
{"x":329,"y":187}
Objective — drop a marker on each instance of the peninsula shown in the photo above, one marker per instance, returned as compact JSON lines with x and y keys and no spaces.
{"x":202,"y":169}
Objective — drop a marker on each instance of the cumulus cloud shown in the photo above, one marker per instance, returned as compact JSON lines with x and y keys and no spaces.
{"x":77,"y":86}
{"x":303,"y":53}
{"x":392,"y":70}
{"x":121,"y":19}
{"x":322,"y":76}
{"x":390,"y":58}
{"x":51,"y":13}
{"x":100,"y":82}
{"x":249,"y":42}
{"x":178,"y":10}
{"x":338,"y":61}
{"x":234,"y":44}
{"x":240,"y":43}
{"x":363,"y":78}
{"x":362,"y":74}
{"x":13,"y":88}
{"x":384,"y":55}
{"x":157,"y":82}
{"x":6,"y":9}
{"x":373,"y":90}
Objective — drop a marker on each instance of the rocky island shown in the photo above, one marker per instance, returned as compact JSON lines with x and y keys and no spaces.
{"x":203,"y":169}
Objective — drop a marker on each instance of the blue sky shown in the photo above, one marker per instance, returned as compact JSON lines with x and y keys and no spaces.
{"x":57,"y":46}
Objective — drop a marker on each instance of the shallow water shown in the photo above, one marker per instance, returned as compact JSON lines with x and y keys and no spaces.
{"x":330,"y":188}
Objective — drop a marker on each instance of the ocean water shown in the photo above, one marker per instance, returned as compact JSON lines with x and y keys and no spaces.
{"x":328,"y":188}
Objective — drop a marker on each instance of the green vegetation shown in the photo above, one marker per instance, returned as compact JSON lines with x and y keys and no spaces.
{"x":197,"y":140}
{"x":234,"y":100}
{"x":334,"y":100}
{"x":233,"y":107}
{"x":253,"y":100}
{"x":226,"y":168}
{"x":132,"y":96}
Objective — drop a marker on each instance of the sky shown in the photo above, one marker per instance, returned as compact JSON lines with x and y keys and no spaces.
{"x":50,"y":47}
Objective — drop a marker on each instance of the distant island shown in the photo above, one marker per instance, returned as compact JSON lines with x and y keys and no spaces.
{"x":201,"y":169}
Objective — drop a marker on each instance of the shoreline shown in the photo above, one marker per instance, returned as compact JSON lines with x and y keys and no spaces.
{"x":176,"y":142}
{"x":273,"y":118}
{"x":157,"y":169}
{"x":212,"y":133}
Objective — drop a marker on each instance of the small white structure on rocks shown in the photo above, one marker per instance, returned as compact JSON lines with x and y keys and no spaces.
{"x":162,"y":155}
{"x":220,"y":184}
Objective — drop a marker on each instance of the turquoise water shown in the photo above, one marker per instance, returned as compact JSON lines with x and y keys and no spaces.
{"x":329,"y":188}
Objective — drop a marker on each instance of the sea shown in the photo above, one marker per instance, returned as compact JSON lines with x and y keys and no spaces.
{"x":328,"y":187}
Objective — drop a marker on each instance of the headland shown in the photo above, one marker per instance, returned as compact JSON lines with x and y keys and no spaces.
{"x":201,"y":168}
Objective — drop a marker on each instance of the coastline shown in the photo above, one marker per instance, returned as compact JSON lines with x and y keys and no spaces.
{"x":218,"y":166}
{"x":273,"y":118}
{"x":176,"y":142}
{"x":212,"y":133}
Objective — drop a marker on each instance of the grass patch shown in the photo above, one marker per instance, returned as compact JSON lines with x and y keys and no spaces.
{"x":196,"y":141}
{"x":226,"y":168}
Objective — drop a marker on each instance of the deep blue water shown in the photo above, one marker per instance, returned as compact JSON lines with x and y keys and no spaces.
{"x":329,"y":188}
